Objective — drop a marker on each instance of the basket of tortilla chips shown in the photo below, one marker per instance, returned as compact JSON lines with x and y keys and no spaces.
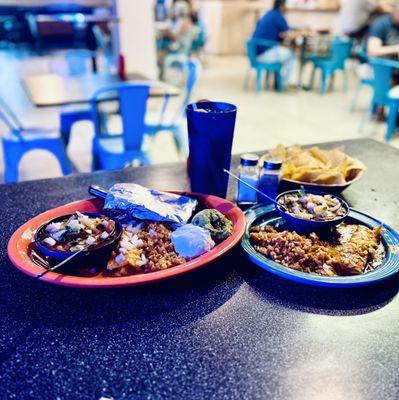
{"x":326,"y":170}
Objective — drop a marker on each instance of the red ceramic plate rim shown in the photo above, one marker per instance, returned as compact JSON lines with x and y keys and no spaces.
{"x":19,"y":241}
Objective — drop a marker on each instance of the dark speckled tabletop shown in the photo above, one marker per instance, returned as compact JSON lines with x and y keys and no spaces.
{"x":228,"y":331}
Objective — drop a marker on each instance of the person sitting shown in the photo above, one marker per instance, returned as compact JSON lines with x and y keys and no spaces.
{"x":274,"y":27}
{"x":383,"y":39}
{"x":178,"y":38}
{"x":355,"y":17}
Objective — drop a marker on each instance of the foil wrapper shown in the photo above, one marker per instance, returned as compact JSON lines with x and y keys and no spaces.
{"x":191,"y":241}
{"x":129,"y":201}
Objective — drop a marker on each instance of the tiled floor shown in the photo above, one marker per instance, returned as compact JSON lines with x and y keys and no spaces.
{"x":264,"y":120}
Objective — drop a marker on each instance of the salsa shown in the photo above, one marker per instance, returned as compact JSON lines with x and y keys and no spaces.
{"x":76,"y":233}
{"x":313,"y":207}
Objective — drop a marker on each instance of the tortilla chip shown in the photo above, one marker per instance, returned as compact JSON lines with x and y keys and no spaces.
{"x":315,"y":165}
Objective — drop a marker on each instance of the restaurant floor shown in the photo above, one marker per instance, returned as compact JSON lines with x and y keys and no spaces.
{"x":264,"y":120}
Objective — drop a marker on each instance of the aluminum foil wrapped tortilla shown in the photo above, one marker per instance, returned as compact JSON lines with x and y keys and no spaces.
{"x":127,"y":201}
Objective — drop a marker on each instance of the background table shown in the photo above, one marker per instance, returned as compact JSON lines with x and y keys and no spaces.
{"x":229,"y":331}
{"x":49,"y":90}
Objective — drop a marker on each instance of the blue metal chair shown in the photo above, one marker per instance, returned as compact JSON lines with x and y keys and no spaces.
{"x":173,"y":123}
{"x":261,"y":68}
{"x":79,"y":62}
{"x":199,"y":40}
{"x":335,"y":61}
{"x":363,"y":82}
{"x":20,"y":140}
{"x":383,"y":93}
{"x":115,"y":151}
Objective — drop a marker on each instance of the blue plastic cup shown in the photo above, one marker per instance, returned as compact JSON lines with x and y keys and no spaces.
{"x":210,"y":135}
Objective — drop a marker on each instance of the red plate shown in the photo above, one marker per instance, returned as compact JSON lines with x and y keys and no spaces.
{"x":23,"y":236}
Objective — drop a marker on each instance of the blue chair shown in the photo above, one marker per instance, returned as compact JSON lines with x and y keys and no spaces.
{"x":261,"y":68}
{"x":115,"y":151}
{"x":79,"y":62}
{"x":199,"y":40}
{"x":335,"y":61}
{"x":363,"y":82}
{"x":383,"y":93}
{"x":180,"y":53}
{"x":173,"y":123}
{"x":20,"y":140}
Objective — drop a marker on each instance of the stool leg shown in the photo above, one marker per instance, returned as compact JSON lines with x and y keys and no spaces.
{"x":324,"y":77}
{"x":355,"y":98}
{"x":64,"y":162}
{"x":65,"y":128}
{"x":345,"y":83}
{"x":57,"y":148}
{"x":259,"y":80}
{"x":247,"y":78}
{"x":95,"y":161}
{"x":312,"y":78}
{"x":267,"y":80}
{"x":279,"y":82}
{"x":392,"y":117}
{"x":331,"y":85}
{"x":12,"y":157}
{"x":180,"y":138}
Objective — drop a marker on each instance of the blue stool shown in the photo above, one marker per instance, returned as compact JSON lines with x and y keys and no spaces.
{"x":21,"y":140}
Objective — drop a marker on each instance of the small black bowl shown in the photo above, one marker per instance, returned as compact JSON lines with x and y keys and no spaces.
{"x":304,"y":225}
{"x":101,"y":251}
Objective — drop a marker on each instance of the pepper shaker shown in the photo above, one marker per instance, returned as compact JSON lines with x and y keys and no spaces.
{"x":269,"y":179}
{"x":248,"y":171}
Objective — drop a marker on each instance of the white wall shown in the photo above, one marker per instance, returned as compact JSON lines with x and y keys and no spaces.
{"x":135,"y":35}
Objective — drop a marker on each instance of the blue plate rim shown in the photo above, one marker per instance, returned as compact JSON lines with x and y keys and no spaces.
{"x":386,"y":270}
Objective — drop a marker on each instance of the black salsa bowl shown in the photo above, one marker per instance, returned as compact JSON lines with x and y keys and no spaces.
{"x":100,"y":252}
{"x":303,"y":225}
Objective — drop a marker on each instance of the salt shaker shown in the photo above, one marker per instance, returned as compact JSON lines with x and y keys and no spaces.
{"x":248,"y":171}
{"x":269,"y":179}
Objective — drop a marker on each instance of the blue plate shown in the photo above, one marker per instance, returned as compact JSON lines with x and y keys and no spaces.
{"x":261,"y":215}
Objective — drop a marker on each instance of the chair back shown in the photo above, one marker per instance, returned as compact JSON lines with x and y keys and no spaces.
{"x":252,"y":47}
{"x":199,"y":40}
{"x":341,"y":51}
{"x":383,"y":70}
{"x":132,"y":98}
{"x":191,"y":69}
{"x":79,"y":62}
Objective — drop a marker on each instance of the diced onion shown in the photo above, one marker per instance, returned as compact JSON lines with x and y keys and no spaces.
{"x":119,"y":258}
{"x":50,"y":241}
{"x":90,"y":240}
{"x":104,"y":235}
